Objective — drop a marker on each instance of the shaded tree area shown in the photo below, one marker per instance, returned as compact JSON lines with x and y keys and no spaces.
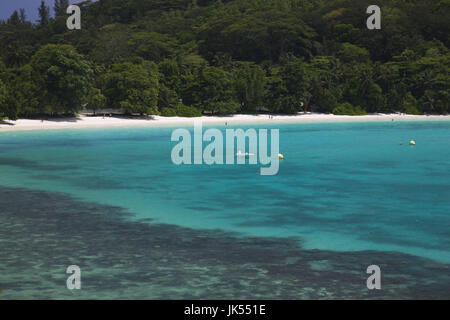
{"x":133,"y":86}
{"x":187,"y":57}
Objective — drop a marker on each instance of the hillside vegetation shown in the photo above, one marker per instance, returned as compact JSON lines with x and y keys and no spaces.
{"x":184,"y":57}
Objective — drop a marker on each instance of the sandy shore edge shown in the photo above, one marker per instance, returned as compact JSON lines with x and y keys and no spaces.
{"x":156,"y":121}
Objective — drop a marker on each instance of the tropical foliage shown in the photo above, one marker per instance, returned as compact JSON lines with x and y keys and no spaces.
{"x":187,"y":57}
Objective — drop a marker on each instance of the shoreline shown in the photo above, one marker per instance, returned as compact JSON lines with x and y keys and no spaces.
{"x":158,"y":121}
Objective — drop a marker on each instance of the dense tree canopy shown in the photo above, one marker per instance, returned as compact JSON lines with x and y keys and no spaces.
{"x":176,"y":57}
{"x":4,"y":95}
{"x":133,"y":87}
{"x":62,"y":76}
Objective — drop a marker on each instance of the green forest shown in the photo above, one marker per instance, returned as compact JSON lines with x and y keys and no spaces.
{"x":194,"y":57}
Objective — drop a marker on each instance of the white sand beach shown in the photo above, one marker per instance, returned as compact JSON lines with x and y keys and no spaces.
{"x":106,"y":122}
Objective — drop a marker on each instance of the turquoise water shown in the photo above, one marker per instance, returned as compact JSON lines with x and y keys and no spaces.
{"x":342,"y":186}
{"x":347,"y":195}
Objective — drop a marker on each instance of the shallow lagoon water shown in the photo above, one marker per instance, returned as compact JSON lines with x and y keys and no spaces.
{"x":346,"y":193}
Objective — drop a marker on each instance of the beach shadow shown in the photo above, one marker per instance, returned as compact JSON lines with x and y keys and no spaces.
{"x":59,"y":119}
{"x":287,"y":115}
{"x":2,"y":122}
{"x":120,"y":116}
{"x":219,"y":116}
{"x":132,"y":117}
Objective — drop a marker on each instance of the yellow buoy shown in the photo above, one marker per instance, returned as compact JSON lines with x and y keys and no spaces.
{"x":280,"y":156}
{"x":412,"y":143}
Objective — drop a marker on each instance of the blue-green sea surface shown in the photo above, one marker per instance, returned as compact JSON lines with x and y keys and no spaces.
{"x":342,"y":186}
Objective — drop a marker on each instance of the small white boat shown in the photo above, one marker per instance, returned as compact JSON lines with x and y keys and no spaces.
{"x":246,"y":154}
